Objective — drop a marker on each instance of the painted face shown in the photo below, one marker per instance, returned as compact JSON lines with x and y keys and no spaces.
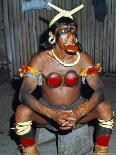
{"x":66,"y":38}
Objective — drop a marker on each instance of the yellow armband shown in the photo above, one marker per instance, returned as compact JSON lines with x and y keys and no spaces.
{"x":91,"y":70}
{"x":29,"y":71}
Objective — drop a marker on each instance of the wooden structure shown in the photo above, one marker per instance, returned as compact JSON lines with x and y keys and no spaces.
{"x":23,"y":31}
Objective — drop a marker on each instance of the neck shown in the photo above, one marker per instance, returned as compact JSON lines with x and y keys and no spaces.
{"x":65,"y":62}
{"x":62,"y":54}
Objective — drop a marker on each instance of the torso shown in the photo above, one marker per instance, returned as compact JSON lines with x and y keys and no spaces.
{"x":60,"y":84}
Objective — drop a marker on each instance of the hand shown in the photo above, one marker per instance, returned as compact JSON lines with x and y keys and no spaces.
{"x":71,"y":120}
{"x":67,"y":119}
{"x":60,"y":116}
{"x":68,"y":124}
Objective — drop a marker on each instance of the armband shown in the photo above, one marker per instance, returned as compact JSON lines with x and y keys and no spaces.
{"x":91,"y":70}
{"x":29,"y":71}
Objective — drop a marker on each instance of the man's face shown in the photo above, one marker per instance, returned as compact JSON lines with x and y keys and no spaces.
{"x":66,"y":37}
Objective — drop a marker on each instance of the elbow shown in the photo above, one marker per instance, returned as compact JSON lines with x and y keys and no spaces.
{"x":21,"y":97}
{"x":101,"y":95}
{"x":24,"y":98}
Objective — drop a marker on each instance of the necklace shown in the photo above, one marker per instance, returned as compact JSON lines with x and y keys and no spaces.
{"x":66,"y":64}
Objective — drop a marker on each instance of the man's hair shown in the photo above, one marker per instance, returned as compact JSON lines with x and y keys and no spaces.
{"x":62,"y":21}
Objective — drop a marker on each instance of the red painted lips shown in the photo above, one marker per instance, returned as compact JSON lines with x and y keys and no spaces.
{"x":71,"y":48}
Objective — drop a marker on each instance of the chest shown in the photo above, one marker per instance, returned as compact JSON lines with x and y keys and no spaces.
{"x":56,"y":75}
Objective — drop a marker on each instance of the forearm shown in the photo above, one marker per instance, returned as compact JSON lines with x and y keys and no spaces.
{"x":95,"y":82}
{"x":57,"y":115}
{"x":89,"y":105}
{"x":34,"y":104}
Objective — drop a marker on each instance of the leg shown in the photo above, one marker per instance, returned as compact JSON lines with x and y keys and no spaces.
{"x":104,"y":128}
{"x":105,"y":116}
{"x":24,"y":129}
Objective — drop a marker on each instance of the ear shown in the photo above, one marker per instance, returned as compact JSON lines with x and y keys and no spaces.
{"x":51,"y":38}
{"x":50,"y":33}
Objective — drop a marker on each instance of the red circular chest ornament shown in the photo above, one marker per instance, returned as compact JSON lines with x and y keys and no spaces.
{"x":71,"y":78}
{"x":53,"y":80}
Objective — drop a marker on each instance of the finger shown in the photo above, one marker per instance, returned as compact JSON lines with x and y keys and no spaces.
{"x":68,"y":122}
{"x":61,"y":122}
{"x":65,"y":118}
{"x":70,"y":119}
{"x":66,"y":111}
{"x":69,"y":125}
{"x":65,"y":128}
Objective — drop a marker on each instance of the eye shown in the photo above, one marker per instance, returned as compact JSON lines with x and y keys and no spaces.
{"x":72,"y":30}
{"x":64,"y":30}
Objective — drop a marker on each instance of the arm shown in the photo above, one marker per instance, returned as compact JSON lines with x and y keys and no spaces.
{"x":95,"y":82}
{"x":98,"y":96}
{"x":29,"y":84}
{"x":26,"y":97}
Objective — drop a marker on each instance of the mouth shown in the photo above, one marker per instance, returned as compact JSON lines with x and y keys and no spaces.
{"x":71,"y":48}
{"x":66,"y":44}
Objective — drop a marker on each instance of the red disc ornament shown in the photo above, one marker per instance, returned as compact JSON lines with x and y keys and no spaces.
{"x":71,"y":79}
{"x":54,"y":80}
{"x":71,"y":48}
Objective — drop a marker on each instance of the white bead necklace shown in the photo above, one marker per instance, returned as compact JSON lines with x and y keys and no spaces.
{"x":65,"y":64}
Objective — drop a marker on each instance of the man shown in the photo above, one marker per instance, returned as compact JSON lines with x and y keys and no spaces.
{"x":60,"y":70}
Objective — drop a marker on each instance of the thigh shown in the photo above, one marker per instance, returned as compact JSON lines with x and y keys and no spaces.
{"x":103,"y":111}
{"x":89,"y":117}
{"x":24,"y":113}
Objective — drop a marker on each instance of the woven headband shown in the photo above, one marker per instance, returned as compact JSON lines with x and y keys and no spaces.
{"x":63,"y":13}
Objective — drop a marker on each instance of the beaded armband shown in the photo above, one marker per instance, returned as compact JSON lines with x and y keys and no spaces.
{"x":29,"y":71}
{"x":91,"y":70}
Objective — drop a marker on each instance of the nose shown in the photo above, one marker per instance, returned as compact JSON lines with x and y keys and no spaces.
{"x":71,"y":36}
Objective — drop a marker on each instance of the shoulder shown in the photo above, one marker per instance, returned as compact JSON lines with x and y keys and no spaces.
{"x":38,"y":59}
{"x":88,"y":67}
{"x":86,"y":60}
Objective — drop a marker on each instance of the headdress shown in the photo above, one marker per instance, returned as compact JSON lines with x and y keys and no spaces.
{"x":60,"y":18}
{"x":63,"y":13}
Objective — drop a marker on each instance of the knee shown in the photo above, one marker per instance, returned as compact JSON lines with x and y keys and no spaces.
{"x":23,"y":113}
{"x":104,"y":110}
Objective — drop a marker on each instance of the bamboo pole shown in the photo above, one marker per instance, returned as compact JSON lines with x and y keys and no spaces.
{"x":112,"y":36}
{"x":34,"y":32}
{"x":23,"y":37}
{"x":114,"y":49}
{"x":16,"y":34}
{"x":11,"y":33}
{"x":19,"y":32}
{"x":7,"y":36}
{"x":26,"y":17}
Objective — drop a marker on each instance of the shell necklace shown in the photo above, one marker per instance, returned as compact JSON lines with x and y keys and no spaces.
{"x":66,"y":64}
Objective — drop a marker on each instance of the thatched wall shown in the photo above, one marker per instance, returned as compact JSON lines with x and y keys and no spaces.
{"x":23,"y":31}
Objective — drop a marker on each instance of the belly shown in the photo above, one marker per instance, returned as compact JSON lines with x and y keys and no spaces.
{"x":62,"y":95}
